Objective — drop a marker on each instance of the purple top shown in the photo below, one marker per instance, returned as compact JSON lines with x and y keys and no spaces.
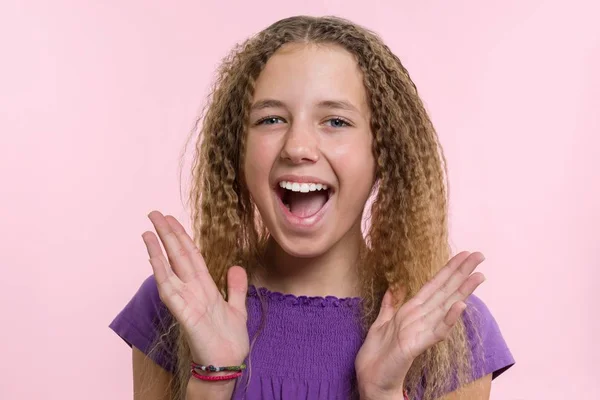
{"x":306,"y":349}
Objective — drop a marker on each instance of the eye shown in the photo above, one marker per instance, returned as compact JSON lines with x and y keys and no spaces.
{"x":270,"y":120}
{"x":338,"y":122}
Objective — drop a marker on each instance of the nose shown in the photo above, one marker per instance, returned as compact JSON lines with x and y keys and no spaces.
{"x":301,"y":146}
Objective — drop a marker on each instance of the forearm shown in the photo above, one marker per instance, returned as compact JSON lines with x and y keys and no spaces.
{"x":216,"y":390}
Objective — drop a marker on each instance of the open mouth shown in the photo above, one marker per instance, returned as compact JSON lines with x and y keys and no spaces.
{"x":303,"y":200}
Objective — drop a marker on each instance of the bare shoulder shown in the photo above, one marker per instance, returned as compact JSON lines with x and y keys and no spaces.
{"x":150,"y":381}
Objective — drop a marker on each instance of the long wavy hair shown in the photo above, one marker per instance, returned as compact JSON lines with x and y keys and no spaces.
{"x":407,"y":237}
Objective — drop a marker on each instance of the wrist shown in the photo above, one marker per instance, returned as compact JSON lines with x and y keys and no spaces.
{"x":380,"y":395}
{"x":374,"y":392}
{"x":218,"y":390}
{"x":373,"y":388}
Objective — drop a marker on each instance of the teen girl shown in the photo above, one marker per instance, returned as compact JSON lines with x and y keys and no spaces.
{"x":279,"y":282}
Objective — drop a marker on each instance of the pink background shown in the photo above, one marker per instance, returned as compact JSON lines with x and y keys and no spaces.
{"x":96,"y":100}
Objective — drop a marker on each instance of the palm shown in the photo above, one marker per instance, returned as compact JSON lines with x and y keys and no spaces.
{"x":398,"y":337}
{"x":215,"y":328}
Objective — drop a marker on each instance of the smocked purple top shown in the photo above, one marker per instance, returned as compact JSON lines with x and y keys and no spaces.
{"x":306,"y":348}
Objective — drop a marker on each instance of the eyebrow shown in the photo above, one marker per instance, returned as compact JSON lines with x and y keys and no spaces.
{"x":332,"y":104}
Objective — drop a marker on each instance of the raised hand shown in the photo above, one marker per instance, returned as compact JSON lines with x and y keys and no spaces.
{"x":215,"y":328}
{"x":398,"y":337}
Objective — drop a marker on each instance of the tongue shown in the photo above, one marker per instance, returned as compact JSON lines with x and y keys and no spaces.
{"x":306,"y":204}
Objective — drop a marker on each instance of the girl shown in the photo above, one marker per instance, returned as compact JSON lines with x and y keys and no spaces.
{"x":307,"y":120}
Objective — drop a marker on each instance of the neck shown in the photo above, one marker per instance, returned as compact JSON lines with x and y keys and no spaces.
{"x":333,"y":273}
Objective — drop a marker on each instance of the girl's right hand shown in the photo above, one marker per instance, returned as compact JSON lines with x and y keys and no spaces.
{"x":216,"y":329}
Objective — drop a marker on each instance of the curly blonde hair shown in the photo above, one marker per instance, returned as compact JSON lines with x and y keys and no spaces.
{"x":407,"y":238}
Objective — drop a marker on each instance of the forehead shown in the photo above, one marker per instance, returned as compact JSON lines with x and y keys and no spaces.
{"x":312,"y":73}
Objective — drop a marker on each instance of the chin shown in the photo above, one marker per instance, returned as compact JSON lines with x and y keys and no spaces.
{"x":304,"y":247}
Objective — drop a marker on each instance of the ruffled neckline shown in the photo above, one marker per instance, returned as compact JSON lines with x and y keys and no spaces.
{"x":315,"y":301}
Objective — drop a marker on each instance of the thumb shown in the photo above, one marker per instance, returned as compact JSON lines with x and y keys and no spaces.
{"x":237,"y":288}
{"x":386,"y":311}
{"x":388,"y":305}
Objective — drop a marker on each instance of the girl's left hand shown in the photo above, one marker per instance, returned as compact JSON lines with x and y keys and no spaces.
{"x":398,"y":337}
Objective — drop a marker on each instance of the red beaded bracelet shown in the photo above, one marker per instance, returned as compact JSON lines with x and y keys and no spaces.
{"x":215,"y":378}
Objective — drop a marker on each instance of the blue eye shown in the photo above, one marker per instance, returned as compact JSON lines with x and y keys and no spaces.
{"x":333,"y":122}
{"x":338,"y":122}
{"x":268,"y":121}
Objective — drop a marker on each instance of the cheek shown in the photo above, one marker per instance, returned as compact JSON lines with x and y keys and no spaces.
{"x":257,"y":164}
{"x":354,"y":162}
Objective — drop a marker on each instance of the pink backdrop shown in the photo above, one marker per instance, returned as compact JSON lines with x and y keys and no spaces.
{"x":96,"y":100}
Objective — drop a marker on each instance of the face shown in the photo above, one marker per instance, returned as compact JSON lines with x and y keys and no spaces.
{"x":309,"y":164}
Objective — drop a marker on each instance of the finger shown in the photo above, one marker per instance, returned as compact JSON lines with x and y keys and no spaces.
{"x":160,"y":267}
{"x":237,"y":288}
{"x":447,"y":289}
{"x":177,"y":255}
{"x":442,"y":276}
{"x":444,"y":327}
{"x":463,"y":292}
{"x":440,"y":331}
{"x":169,"y":290}
{"x":188,"y":244}
{"x":466,"y":288}
{"x":167,"y":282}
{"x":387,"y":310}
{"x":206,"y":284}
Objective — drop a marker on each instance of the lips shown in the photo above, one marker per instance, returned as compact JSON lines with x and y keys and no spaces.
{"x":302,"y":223}
{"x":302,"y":200}
{"x":300,"y":179}
{"x":304,"y":204}
{"x":302,"y":214}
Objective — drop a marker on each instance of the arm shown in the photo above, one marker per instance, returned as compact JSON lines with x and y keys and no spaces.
{"x":215,"y":328}
{"x":400,"y":334}
{"x":199,"y":390}
{"x":150,"y":381}
{"x":476,"y":390}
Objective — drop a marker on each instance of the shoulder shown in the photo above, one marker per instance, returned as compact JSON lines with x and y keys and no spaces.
{"x":145,"y":306}
{"x":491,"y":354}
{"x":149,"y":291}
{"x":142,"y":323}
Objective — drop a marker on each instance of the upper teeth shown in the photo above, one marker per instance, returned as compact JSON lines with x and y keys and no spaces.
{"x":302,"y":187}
